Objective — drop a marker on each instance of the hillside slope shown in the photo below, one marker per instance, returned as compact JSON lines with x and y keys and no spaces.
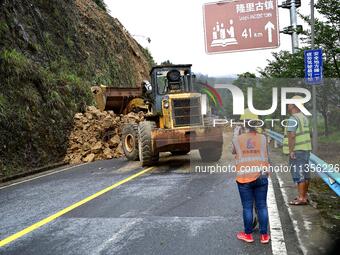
{"x":51,"y":52}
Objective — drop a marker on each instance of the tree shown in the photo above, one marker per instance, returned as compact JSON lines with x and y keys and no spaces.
{"x":166,"y":63}
{"x":327,"y":37}
{"x":262,"y":97}
{"x":101,"y":4}
{"x":284,"y":65}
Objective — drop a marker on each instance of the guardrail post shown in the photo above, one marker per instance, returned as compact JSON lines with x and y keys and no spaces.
{"x":269,"y":139}
{"x":275,"y":144}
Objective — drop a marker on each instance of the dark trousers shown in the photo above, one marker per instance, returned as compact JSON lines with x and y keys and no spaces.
{"x":250,"y":192}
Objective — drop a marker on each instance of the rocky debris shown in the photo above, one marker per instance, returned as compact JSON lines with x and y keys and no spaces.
{"x":96,"y":135}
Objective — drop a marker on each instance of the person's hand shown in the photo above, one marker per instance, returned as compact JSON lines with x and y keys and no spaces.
{"x":292,"y":155}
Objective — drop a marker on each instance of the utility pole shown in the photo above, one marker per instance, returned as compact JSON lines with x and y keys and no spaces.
{"x":294,"y":29}
{"x":314,"y":112}
{"x":293,"y":23}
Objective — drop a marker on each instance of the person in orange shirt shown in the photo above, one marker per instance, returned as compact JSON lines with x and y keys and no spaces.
{"x":251,"y":154}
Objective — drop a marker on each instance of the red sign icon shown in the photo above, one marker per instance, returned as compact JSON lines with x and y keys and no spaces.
{"x":241,"y":25}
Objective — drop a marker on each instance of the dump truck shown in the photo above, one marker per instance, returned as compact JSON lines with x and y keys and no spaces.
{"x":174,"y":120}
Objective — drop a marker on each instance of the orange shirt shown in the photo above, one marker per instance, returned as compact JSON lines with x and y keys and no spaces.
{"x":251,"y":156}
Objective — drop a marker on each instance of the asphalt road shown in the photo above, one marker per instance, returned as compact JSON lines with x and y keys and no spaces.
{"x":168,"y":210}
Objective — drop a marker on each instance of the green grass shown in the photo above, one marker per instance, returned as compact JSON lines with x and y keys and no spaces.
{"x":3,"y":27}
{"x":69,"y":42}
{"x":332,"y":138}
{"x":37,"y":104}
{"x":2,"y":105}
{"x":14,"y":58}
{"x":332,"y":128}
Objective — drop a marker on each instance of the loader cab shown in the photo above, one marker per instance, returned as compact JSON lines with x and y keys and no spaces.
{"x":171,"y":79}
{"x":168,"y":80}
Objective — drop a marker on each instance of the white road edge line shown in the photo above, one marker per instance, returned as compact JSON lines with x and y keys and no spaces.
{"x":295,"y":225}
{"x":276,"y":233}
{"x":40,"y":176}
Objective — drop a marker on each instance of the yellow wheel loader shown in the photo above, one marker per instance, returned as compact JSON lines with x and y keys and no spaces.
{"x":174,"y":121}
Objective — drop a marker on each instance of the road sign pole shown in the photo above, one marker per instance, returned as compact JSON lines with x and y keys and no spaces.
{"x":293,"y":23}
{"x":315,"y":120}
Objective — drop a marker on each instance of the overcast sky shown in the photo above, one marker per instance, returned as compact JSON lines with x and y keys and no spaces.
{"x":176,"y":31}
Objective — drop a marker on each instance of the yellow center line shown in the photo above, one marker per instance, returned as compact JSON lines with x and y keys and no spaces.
{"x":43,"y":222}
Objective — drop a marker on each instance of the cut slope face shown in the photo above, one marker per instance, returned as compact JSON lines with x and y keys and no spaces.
{"x":51,"y":52}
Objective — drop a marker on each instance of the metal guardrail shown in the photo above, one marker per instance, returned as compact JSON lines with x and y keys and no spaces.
{"x":327,"y":173}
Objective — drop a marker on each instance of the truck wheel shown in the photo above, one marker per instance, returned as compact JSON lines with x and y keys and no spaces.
{"x":211,"y":154}
{"x":130,"y":141}
{"x":146,"y":154}
{"x":177,"y":153}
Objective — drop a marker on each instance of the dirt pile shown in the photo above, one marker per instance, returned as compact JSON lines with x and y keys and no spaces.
{"x":97,"y":135}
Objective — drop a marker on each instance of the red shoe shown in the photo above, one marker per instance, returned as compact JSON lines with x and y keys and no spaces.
{"x":265,"y":238}
{"x":245,"y":237}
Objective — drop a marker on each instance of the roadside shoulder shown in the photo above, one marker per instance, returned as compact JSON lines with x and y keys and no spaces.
{"x":305,"y":221}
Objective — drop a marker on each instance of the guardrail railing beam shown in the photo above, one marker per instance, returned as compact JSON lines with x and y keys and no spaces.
{"x":327,"y":173}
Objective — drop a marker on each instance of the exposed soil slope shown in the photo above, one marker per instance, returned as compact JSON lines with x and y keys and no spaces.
{"x":51,"y":52}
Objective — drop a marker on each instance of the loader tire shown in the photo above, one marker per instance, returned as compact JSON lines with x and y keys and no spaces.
{"x":147,"y":156}
{"x":211,"y":154}
{"x":130,"y":141}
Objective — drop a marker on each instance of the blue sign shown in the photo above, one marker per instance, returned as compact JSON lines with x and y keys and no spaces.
{"x":313,"y":66}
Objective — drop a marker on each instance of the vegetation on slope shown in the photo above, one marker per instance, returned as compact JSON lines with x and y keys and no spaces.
{"x":51,"y":52}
